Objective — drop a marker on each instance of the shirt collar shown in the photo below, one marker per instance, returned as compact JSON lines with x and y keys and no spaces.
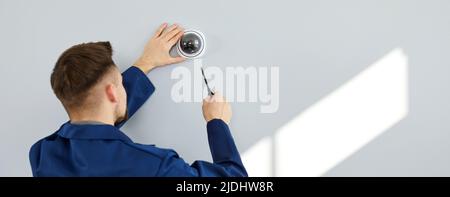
{"x":91,"y":131}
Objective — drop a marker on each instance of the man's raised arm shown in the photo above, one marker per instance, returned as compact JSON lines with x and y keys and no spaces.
{"x":156,"y":54}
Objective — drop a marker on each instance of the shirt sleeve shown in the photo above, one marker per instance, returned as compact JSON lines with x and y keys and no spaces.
{"x":138,"y":88}
{"x":226,"y":159}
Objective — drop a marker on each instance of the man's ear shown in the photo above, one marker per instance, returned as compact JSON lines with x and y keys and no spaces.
{"x":111,"y":93}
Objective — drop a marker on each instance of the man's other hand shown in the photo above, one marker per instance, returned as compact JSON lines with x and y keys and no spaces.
{"x":156,"y":51}
{"x":216,"y":107}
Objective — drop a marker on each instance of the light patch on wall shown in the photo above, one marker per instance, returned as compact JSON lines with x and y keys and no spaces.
{"x":258,"y":158}
{"x":339,"y":124}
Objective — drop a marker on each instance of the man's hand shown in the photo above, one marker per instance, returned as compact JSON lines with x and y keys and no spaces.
{"x":216,"y":107}
{"x":156,"y":51}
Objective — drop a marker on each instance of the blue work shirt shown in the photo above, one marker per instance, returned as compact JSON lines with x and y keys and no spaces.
{"x":104,"y":150}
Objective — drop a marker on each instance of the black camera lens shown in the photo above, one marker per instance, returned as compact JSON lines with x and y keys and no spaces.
{"x":191,"y":43}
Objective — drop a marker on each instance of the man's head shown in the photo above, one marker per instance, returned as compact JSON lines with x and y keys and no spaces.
{"x":88,"y":83}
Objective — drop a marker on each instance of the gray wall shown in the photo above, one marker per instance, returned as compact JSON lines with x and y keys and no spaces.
{"x":318,"y":45}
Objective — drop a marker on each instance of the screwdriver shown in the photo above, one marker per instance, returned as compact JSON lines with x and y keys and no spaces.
{"x":210,"y":92}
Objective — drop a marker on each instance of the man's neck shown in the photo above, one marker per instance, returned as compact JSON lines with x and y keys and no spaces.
{"x":86,"y":122}
{"x":80,"y":117}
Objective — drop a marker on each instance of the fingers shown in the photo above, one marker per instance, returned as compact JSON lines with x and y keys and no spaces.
{"x":175,"y":39}
{"x":217,"y":97}
{"x":169,"y":29}
{"x":160,"y":30}
{"x":209,"y":98}
{"x":178,"y":59}
{"x":167,"y":32}
{"x":172,"y":33}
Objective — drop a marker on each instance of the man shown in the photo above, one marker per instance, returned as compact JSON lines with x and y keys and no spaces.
{"x":99,"y":100}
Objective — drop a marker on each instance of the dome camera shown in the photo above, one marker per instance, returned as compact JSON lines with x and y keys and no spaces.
{"x":192,"y":44}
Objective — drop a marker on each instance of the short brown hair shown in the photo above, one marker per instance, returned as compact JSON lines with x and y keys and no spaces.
{"x":78,"y":69}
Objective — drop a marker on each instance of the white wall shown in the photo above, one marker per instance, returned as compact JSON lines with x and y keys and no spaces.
{"x":318,"y":45}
